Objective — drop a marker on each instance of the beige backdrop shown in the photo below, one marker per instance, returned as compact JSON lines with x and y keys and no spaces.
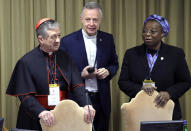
{"x":123,"y":18}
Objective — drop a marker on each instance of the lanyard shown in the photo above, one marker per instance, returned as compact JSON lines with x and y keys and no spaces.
{"x":51,"y":64}
{"x":151,"y":61}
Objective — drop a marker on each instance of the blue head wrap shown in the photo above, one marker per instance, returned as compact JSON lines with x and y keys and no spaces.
{"x":162,"y":21}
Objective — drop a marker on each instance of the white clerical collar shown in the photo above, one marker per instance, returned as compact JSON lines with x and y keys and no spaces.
{"x":50,"y":53}
{"x":87,"y":36}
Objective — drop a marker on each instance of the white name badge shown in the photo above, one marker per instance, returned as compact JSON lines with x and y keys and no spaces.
{"x":148,"y":82}
{"x":91,"y":84}
{"x":54,"y":96}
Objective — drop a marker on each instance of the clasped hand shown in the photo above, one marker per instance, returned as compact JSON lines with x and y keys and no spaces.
{"x":100,"y":73}
{"x":161,"y":99}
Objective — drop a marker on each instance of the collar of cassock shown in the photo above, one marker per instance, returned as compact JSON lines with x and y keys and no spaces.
{"x":87,"y":36}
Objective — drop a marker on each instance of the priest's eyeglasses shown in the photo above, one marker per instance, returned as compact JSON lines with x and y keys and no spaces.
{"x":54,"y":37}
{"x":94,"y":20}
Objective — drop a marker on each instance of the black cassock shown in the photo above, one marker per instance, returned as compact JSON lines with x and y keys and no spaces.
{"x":30,"y":79}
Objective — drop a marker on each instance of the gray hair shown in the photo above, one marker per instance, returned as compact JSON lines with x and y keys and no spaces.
{"x":92,"y":5}
{"x":45,"y":26}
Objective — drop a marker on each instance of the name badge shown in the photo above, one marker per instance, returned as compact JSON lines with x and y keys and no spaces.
{"x":91,"y":84}
{"x":148,"y":83}
{"x":54,"y":96}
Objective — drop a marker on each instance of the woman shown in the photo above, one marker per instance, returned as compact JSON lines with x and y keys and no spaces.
{"x":164,"y":64}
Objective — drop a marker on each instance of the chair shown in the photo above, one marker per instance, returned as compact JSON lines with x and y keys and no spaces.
{"x":142,"y":108}
{"x":68,"y":117}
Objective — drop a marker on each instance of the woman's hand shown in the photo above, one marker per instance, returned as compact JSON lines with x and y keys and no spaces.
{"x":162,"y":98}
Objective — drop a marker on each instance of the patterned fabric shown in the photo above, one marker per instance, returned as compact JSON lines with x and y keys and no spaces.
{"x":162,"y":21}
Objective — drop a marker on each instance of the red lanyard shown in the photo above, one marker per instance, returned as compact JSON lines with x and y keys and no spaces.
{"x":51,"y":66}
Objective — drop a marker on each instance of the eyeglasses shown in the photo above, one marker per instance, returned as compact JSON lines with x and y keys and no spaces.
{"x":54,"y":37}
{"x":152,"y":32}
{"x":95,"y":20}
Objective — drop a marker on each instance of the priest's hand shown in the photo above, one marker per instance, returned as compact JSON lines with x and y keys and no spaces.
{"x":47,"y":117}
{"x":102,"y":73}
{"x":162,"y":98}
{"x":149,"y":89}
{"x":89,"y":113}
{"x":86,"y":75}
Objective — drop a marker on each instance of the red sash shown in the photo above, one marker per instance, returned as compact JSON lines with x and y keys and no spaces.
{"x":43,"y":100}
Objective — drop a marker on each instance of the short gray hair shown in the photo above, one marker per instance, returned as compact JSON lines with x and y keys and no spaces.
{"x":92,"y":5}
{"x":45,"y":26}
